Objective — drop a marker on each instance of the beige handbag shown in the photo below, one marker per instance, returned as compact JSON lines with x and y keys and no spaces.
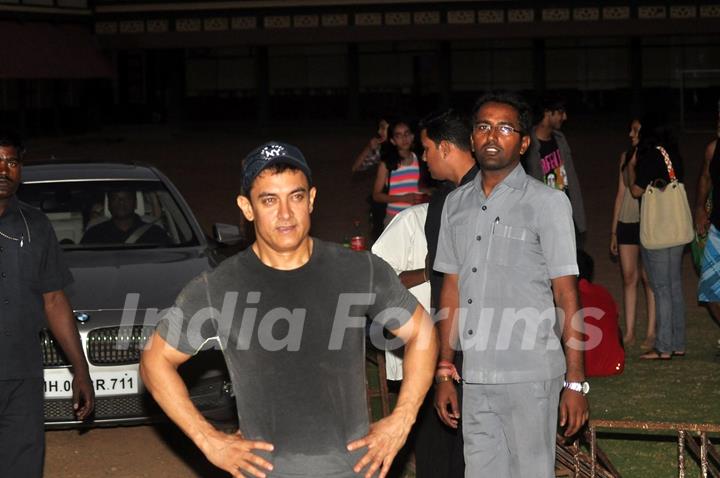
{"x":665,"y":219}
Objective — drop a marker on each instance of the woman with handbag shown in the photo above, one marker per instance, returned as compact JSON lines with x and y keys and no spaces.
{"x":656,"y":174}
{"x":625,"y":244}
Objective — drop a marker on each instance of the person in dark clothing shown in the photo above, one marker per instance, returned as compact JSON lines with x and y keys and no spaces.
{"x":32,"y":278}
{"x":550,"y":160}
{"x":369,"y":158}
{"x":125,"y":226}
{"x":447,"y":151}
{"x":445,"y":138}
{"x":299,"y":384}
{"x":664,"y":266}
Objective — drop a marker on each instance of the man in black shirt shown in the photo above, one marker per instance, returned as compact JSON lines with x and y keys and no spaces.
{"x":295,"y":345}
{"x":125,"y":226}
{"x":32,"y":278}
{"x":445,"y":139}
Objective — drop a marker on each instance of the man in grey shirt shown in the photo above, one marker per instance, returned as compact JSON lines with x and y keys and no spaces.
{"x":289,"y":314}
{"x":507,"y":248}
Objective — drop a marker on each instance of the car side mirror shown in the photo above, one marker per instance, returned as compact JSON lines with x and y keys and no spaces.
{"x":226,"y":233}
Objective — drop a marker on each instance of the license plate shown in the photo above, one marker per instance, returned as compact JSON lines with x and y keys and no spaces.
{"x":58,"y":383}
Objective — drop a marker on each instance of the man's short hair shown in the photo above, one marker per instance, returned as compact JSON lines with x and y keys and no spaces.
{"x":552,"y":103}
{"x":10,"y":139}
{"x":276,"y":157}
{"x":447,"y":126}
{"x":511,"y":99}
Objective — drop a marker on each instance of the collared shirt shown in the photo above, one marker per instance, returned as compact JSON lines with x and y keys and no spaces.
{"x":30,"y":265}
{"x":506,"y":248}
{"x":402,"y":245}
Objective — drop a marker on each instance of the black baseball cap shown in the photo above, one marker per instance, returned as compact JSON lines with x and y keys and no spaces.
{"x":268,"y":154}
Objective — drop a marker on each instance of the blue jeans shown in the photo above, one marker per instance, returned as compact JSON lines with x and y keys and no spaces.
{"x":664,"y":269}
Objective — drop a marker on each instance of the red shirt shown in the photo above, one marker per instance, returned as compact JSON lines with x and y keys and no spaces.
{"x":604,"y":354}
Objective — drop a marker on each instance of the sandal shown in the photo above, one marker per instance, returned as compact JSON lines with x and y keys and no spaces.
{"x":678,"y":354}
{"x":655,"y":354}
{"x":648,"y":344}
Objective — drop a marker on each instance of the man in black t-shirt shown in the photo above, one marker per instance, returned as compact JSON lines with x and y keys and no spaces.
{"x":289,"y":314}
{"x":549,"y":158}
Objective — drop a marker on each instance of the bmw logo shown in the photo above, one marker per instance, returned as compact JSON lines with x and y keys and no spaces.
{"x":82,"y":317}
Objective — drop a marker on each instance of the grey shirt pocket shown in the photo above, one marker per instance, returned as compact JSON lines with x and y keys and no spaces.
{"x":509,"y":245}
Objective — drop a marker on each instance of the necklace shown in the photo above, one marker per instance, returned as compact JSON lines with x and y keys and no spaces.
{"x":20,"y":239}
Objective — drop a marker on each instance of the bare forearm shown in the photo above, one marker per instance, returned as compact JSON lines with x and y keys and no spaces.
{"x":635,"y":190}
{"x":162,"y":380}
{"x":704,"y":181}
{"x":618,"y":203}
{"x":62,"y":325}
{"x":387,"y":198}
{"x":412,"y":278}
{"x":703,"y":190}
{"x":573,"y":328}
{"x":447,"y":325}
{"x":368,"y":151}
{"x":419,"y":362}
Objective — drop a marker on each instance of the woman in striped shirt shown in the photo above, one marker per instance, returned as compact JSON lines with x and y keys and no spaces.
{"x":398,"y":176}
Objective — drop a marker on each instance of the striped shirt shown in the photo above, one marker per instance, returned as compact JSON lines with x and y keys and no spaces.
{"x":404,"y":180}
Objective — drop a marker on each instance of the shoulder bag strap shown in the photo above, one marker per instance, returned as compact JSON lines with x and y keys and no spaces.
{"x":668,"y":163}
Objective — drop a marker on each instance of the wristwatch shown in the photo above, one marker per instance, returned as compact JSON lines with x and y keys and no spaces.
{"x":580,"y":387}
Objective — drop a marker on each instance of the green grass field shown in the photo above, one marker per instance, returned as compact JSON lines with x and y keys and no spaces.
{"x":683,"y":389}
{"x":680,"y":390}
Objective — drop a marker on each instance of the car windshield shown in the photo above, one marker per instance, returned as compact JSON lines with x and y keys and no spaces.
{"x":111,"y":214}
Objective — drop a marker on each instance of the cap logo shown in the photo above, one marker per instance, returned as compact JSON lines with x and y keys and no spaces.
{"x":272,"y":151}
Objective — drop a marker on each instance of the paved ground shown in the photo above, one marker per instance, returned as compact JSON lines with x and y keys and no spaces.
{"x":203,"y":161}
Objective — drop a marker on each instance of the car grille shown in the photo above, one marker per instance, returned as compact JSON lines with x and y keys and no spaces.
{"x":106,"y":408}
{"x":105,"y":346}
{"x":117,"y":345}
{"x":211,"y":396}
{"x":51,"y":353}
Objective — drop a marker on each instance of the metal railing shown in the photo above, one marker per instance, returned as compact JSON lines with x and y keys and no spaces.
{"x":692,"y":440}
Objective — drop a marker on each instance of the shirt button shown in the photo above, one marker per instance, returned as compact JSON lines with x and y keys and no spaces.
{"x":470,"y":332}
{"x":3,"y":275}
{"x":474,"y":269}
{"x":478,"y":237}
{"x":469,"y":301}
{"x":6,"y":302}
{"x":484,"y":208}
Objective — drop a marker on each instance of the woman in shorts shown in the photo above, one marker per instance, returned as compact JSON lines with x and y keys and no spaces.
{"x":625,"y":244}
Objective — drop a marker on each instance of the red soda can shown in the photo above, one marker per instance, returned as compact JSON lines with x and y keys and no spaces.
{"x":357,"y":243}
